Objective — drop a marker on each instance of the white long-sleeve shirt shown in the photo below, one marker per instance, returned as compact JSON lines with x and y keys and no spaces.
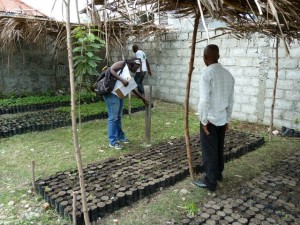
{"x":141,"y":55}
{"x":216,"y":95}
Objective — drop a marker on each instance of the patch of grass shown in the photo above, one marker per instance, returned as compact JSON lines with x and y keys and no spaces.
{"x":166,"y":206}
{"x":191,"y":208}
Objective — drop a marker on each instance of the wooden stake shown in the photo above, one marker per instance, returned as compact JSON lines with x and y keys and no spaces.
{"x":33,"y":176}
{"x":148,"y":94}
{"x":116,"y":221}
{"x":187,"y":97}
{"x":74,"y":207}
{"x":129,"y":103}
{"x":274,"y":90}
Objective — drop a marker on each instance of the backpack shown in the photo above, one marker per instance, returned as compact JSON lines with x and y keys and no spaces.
{"x":105,"y":83}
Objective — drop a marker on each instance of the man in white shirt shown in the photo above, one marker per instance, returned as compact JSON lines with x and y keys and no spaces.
{"x":215,"y":108}
{"x":141,"y":72}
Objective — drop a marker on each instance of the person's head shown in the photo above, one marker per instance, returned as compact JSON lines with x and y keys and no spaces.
{"x":211,"y":54}
{"x":135,"y":48}
{"x":133,"y":64}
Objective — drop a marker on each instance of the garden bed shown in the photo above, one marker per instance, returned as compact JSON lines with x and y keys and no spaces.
{"x":271,"y":198}
{"x":52,"y":119}
{"x":34,"y":103}
{"x":117,"y":182}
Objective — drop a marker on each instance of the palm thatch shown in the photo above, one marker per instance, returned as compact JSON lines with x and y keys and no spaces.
{"x":273,"y":18}
{"x":14,"y":31}
{"x":17,"y":31}
{"x":119,"y":19}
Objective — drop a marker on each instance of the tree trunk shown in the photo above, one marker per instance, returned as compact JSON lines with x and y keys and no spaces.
{"x":274,"y":89}
{"x":187,"y":96}
{"x":73,"y":114}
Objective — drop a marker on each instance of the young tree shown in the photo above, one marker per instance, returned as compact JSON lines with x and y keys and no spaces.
{"x":73,"y":113}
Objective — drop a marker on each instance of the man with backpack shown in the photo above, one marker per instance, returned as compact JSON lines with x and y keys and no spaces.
{"x":115,"y":104}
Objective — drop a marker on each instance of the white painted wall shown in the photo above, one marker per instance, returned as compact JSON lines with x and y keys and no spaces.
{"x":252,"y":63}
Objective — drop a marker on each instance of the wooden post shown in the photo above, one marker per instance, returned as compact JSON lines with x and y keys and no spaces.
{"x":274,"y":89}
{"x":187,"y":97}
{"x":74,"y":207}
{"x":148,"y":96}
{"x":33,"y":176}
{"x":116,"y":221}
{"x":129,"y":103}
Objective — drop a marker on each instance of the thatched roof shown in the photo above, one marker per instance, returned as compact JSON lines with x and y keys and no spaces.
{"x":274,"y":18}
{"x":21,"y":23}
{"x":280,"y":17}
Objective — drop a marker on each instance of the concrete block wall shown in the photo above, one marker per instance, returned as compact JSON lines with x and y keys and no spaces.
{"x":251,"y":61}
{"x":32,"y":71}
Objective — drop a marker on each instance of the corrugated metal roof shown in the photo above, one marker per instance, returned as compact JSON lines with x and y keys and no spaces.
{"x":18,"y":7}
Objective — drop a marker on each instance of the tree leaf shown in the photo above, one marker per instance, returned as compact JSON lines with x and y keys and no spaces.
{"x":89,"y":54}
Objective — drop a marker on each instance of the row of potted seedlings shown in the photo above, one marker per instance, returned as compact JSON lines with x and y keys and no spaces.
{"x":32,"y":107}
{"x":46,"y":120}
{"x":117,"y":182}
{"x":34,"y":103}
{"x":271,"y":198}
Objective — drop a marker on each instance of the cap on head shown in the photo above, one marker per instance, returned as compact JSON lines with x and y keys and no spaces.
{"x":133,"y":64}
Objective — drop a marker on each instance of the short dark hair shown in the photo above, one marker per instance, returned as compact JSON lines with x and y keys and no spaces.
{"x":135,"y":47}
{"x":212,"y":51}
{"x":212,"y":48}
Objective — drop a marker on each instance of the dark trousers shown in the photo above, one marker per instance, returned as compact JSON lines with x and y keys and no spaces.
{"x":212,"y":152}
{"x":139,"y":77}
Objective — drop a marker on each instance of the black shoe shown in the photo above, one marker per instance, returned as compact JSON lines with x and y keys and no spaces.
{"x":201,"y":184}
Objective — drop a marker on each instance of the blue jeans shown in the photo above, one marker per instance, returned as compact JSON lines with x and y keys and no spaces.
{"x":114,"y":107}
{"x":139,"y":77}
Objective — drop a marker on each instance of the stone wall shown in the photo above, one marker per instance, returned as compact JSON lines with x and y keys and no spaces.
{"x":251,"y":61}
{"x":32,"y":70}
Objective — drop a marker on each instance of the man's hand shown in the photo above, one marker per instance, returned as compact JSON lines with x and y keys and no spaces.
{"x":146,"y":102}
{"x":150,"y":73}
{"x":205,"y":128}
{"x":125,"y":82}
{"x":226,"y":127}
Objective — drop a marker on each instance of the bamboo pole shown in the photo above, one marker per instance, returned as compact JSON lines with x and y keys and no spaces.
{"x":187,"y":96}
{"x":274,"y":89}
{"x":73,"y":113}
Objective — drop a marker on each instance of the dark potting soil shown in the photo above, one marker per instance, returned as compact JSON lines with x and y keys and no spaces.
{"x":117,"y":182}
{"x":271,"y":198}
